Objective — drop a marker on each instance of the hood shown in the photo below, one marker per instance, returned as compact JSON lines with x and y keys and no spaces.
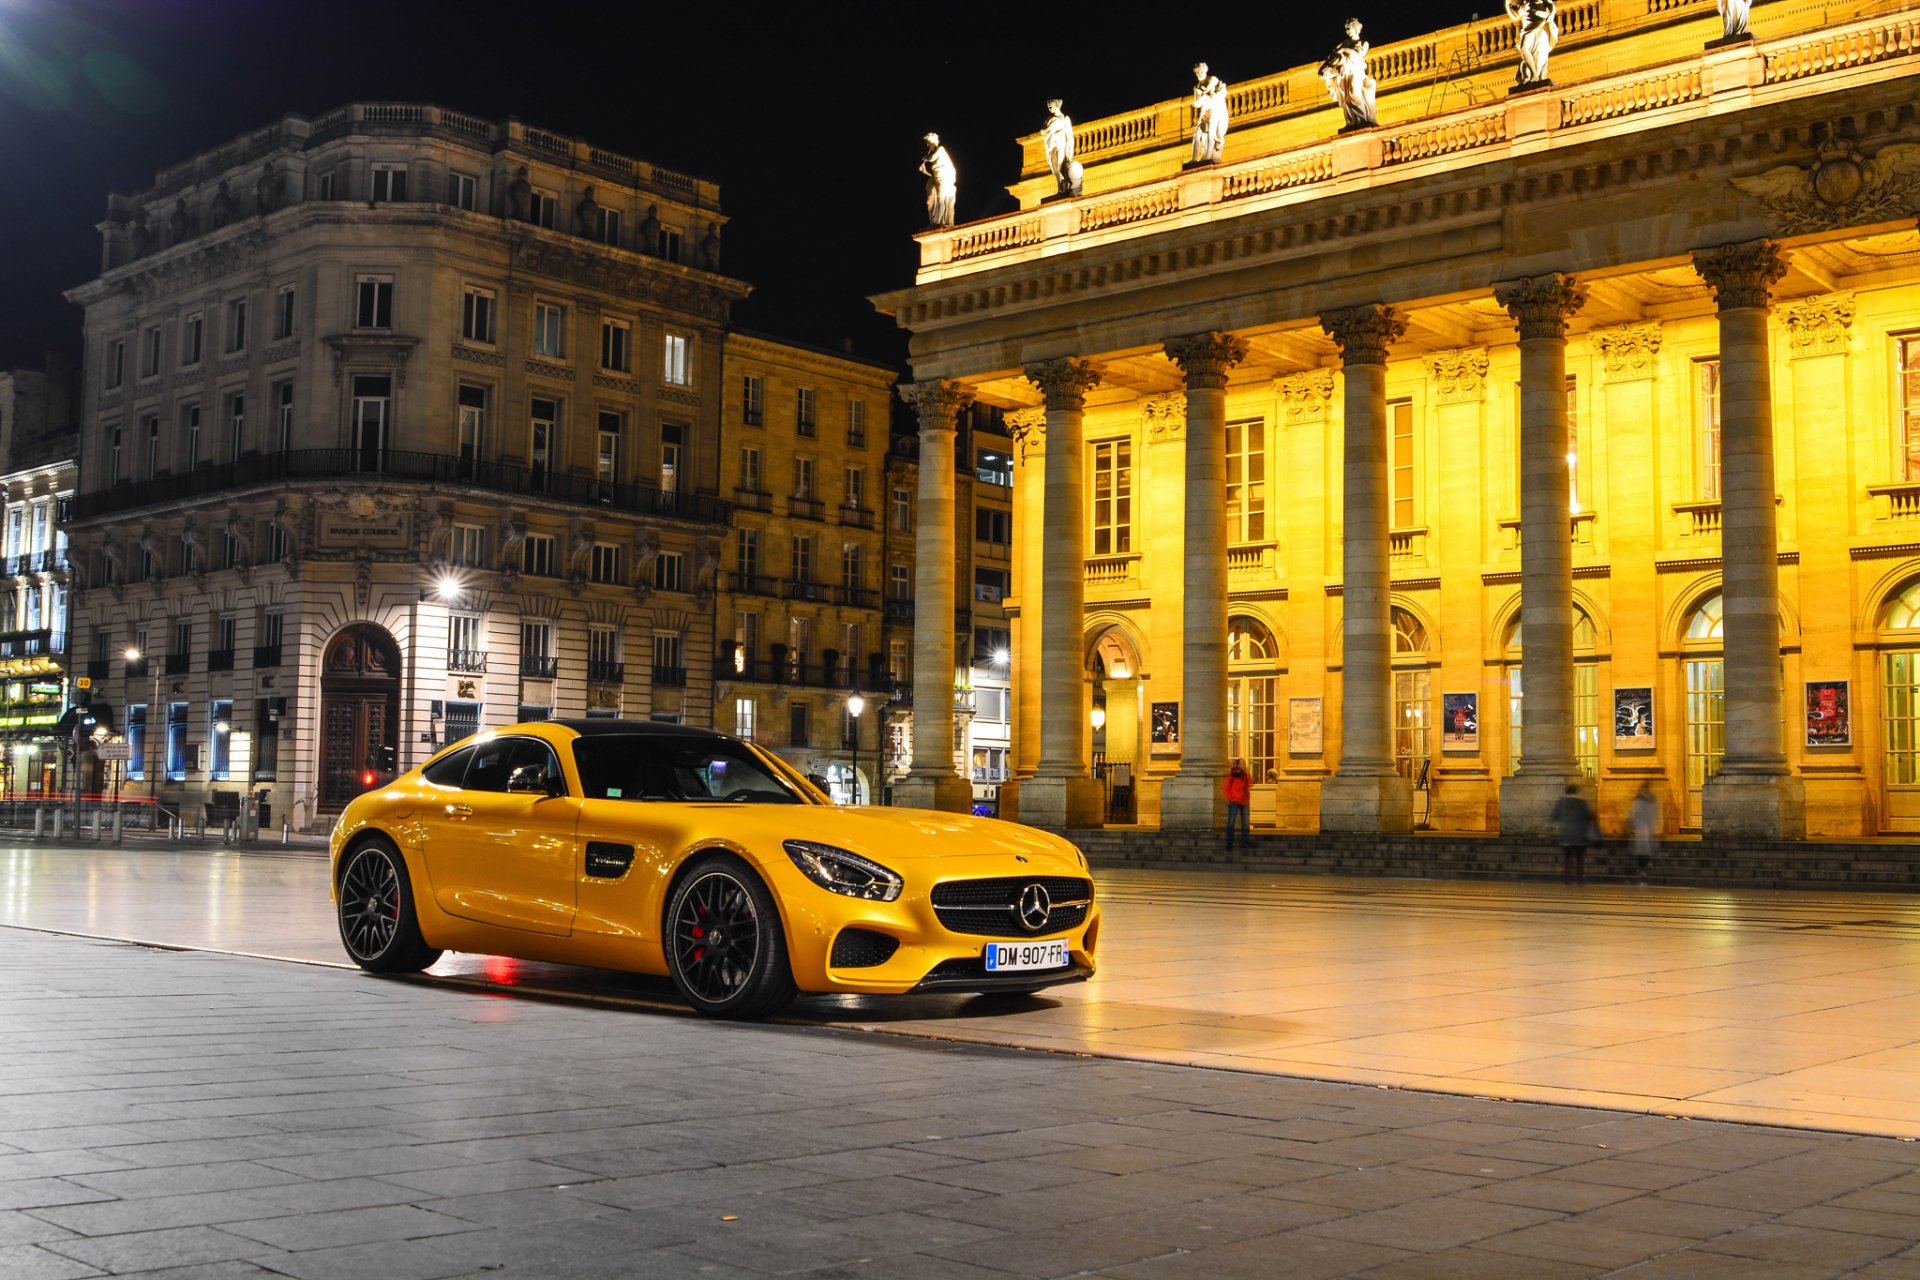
{"x":895,"y":837}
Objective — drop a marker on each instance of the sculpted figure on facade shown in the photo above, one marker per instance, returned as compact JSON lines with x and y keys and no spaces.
{"x":1345,"y":72}
{"x":1209,"y":115}
{"x":586,"y":214}
{"x":266,"y":192}
{"x":649,"y":238}
{"x":1735,"y":18}
{"x":942,"y":182}
{"x":177,"y":221}
{"x":222,"y":207}
{"x":710,"y":247}
{"x":1057,"y":138}
{"x":520,"y":195}
{"x":1539,"y":22}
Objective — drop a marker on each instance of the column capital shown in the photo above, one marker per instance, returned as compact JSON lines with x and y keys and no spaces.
{"x":1206,"y":358}
{"x":1541,"y":305}
{"x":1819,"y":326}
{"x":1306,"y":395}
{"x":1364,"y":332}
{"x":1627,"y":351}
{"x":937,"y":404}
{"x":1741,"y":275}
{"x":1064,"y":382}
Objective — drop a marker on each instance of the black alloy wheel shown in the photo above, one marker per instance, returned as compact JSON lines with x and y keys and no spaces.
{"x":377,"y":922}
{"x":726,"y":950}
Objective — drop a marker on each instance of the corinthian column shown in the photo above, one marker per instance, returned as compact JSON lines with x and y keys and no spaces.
{"x":1192,"y":798}
{"x":1367,"y":794}
{"x":931,"y":782}
{"x":1548,"y":759}
{"x":1753,"y":796}
{"x":1061,"y":793}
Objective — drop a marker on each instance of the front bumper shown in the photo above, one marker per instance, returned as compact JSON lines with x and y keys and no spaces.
{"x":953,"y":975}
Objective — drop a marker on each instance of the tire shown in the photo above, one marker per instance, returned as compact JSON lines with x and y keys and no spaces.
{"x":378,"y":926}
{"x":726,"y":949}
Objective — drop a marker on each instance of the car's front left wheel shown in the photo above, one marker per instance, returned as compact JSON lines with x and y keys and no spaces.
{"x":726,"y":950}
{"x":377,"y":921}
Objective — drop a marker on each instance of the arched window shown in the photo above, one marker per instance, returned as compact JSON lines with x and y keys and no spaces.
{"x":1586,"y":694}
{"x":1412,"y":693}
{"x":1705,"y":671}
{"x":1253,"y":657}
{"x":1900,"y":708}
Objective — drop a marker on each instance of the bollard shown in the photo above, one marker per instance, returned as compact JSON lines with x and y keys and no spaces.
{"x":95,"y":816}
{"x":58,"y":814}
{"x":116,"y":824}
{"x":286,"y":830}
{"x":39,"y":821}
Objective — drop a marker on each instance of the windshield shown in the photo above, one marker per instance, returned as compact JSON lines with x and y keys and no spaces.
{"x":669,"y":767}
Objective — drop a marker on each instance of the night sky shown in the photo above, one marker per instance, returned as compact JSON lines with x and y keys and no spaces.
{"x":810,"y":119}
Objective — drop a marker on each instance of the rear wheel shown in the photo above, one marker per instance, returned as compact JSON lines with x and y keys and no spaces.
{"x":377,"y":922}
{"x":726,"y":950}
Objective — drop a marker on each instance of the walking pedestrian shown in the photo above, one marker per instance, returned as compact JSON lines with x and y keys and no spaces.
{"x":1573,"y":817}
{"x":1644,"y":818}
{"x":1238,"y":790}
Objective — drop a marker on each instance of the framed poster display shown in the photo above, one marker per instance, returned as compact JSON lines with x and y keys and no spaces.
{"x":1303,"y":726}
{"x":1459,"y":721}
{"x":1829,"y":717}
{"x":1164,"y":729}
{"x":1633,"y":718}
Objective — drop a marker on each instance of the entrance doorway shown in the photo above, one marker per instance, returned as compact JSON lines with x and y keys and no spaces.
{"x":1706,"y":704}
{"x":359,"y":714}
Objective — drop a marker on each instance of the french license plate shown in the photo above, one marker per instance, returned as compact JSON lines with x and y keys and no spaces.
{"x":1047,"y":953}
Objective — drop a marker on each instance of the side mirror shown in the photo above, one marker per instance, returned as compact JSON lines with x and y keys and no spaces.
{"x":532,"y":778}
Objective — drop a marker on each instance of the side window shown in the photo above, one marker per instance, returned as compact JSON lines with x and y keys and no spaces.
{"x":494,"y":763}
{"x":448,"y":769}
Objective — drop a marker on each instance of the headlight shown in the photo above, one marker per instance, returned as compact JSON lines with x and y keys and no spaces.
{"x":838,"y":871}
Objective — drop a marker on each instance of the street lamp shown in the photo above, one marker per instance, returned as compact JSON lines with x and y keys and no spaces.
{"x":855,"y":705}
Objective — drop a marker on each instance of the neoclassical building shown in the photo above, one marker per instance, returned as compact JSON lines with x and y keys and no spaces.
{"x":1523,"y":437}
{"x":396,"y":423}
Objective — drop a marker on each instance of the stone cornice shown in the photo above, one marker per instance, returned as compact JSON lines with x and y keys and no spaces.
{"x":1741,"y":275}
{"x":1541,"y":305}
{"x":1064,"y":383}
{"x":1364,"y":332}
{"x":1206,"y":358}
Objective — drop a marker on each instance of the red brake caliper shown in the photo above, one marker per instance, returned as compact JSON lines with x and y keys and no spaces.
{"x":699,"y":931}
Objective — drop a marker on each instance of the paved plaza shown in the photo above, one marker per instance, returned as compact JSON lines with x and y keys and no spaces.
{"x":222,"y":1112}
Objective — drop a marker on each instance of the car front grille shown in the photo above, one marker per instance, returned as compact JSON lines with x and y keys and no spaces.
{"x":862,"y":949}
{"x":991,"y":908}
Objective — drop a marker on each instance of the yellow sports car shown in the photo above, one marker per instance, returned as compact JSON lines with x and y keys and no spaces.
{"x":669,"y":850}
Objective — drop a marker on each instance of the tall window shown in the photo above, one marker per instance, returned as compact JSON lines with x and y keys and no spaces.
{"x":803,"y":419}
{"x":750,"y":476}
{"x":673,"y":438}
{"x":550,"y":330}
{"x":753,"y":401}
{"x":1706,"y":381}
{"x":543,"y":208}
{"x":799,"y":643}
{"x":1900,"y":708}
{"x":851,"y":569}
{"x":1247,"y":484}
{"x":466,"y":642}
{"x":389,"y":182}
{"x":670,"y":571}
{"x":137,"y":741}
{"x":472,"y":427}
{"x":743,"y":718}
{"x":900,"y":582}
{"x":669,"y":667}
{"x":903,"y":509}
{"x":803,"y":478}
{"x":536,"y":554}
{"x":1907,"y":396}
{"x":543,"y":428}
{"x":152,"y":434}
{"x":1400,"y":461}
{"x":746,"y":639}
{"x":993,"y":527}
{"x":469,"y":546}
{"x":616,"y":346}
{"x":283,"y":312}
{"x":857,"y":488}
{"x":606,"y":459}
{"x":236,"y":425}
{"x":746,"y":550}
{"x":116,"y":364}
{"x":283,"y":415}
{"x":607,"y":226}
{"x":476,"y":314}
{"x":373,"y":302}
{"x":1705,"y":670}
{"x":463,"y":191}
{"x":803,"y":557}
{"x":372,"y":420}
{"x":1586,"y":695}
{"x":677,"y":369}
{"x":857,"y":423}
{"x":536,"y":642}
{"x":1112,"y":497}
{"x":150,"y":352}
{"x":220,"y":739}
{"x":176,"y":742}
{"x":1253,"y":658}
{"x":192,"y":339}
{"x":237,"y":324}
{"x":605,"y":564}
{"x":1576,"y":480}
{"x":1412,"y":695}
{"x":190,"y":428}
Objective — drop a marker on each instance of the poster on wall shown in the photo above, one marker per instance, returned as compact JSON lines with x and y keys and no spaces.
{"x":1829,"y":719}
{"x":1165,"y":730}
{"x":1633,"y":718}
{"x":1459,"y":721}
{"x":1303,"y":726}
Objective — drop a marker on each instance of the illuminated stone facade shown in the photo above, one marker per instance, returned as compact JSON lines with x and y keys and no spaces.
{"x":397,"y":423}
{"x":1634,"y":357}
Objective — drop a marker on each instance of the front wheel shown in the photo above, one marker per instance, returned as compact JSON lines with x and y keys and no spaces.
{"x":726,"y":950}
{"x":377,"y":921}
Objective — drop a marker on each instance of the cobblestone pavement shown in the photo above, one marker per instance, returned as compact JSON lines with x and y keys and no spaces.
{"x":199,"y":1114}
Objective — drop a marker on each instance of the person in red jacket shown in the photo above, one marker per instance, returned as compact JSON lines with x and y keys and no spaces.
{"x":1238,"y":790}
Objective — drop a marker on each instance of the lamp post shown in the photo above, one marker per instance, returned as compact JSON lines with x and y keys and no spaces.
{"x":855,"y":705}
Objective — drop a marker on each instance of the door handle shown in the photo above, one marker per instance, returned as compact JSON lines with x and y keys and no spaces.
{"x":459,"y":811}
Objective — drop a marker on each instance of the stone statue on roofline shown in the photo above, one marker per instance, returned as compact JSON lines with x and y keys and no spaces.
{"x":943,"y":182}
{"x":1539,"y":32}
{"x":1345,"y":72}
{"x":1735,"y":18}
{"x":1209,"y":115}
{"x":1057,"y":138}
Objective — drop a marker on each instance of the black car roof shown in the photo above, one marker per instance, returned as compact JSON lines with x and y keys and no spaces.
{"x":645,"y":728}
